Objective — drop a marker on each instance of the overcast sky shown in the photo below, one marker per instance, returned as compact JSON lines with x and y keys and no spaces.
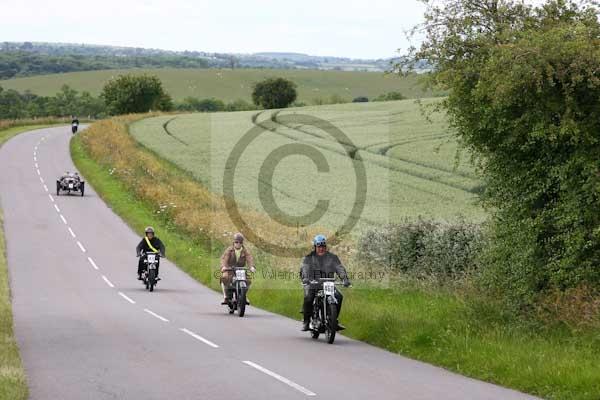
{"x":350,"y":28}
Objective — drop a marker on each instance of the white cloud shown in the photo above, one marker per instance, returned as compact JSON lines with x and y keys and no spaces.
{"x":352,"y":28}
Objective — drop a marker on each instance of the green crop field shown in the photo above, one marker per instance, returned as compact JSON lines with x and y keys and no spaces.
{"x":409,"y":163}
{"x":229,"y":85}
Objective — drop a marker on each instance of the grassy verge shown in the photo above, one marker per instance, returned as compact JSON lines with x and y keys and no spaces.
{"x":6,"y":134}
{"x":13,"y":384}
{"x":469,"y":337}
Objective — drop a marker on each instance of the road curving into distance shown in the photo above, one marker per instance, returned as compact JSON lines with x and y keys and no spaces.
{"x":87,"y":329}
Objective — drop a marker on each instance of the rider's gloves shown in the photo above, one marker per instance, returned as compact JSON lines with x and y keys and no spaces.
{"x":252,"y":269}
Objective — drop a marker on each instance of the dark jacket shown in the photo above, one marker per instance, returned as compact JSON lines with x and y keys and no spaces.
{"x":155,"y":242}
{"x":325,"y":266}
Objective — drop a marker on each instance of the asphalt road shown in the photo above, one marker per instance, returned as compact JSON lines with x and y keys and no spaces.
{"x":87,"y":329}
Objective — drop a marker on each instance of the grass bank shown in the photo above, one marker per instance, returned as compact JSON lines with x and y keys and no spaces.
{"x":470,"y":337}
{"x":13,"y":384}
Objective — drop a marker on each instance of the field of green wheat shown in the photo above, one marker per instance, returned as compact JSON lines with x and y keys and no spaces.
{"x":289,"y":163}
{"x":230,"y":85}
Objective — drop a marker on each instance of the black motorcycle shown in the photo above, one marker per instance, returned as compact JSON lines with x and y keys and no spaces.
{"x":74,"y":127}
{"x":239,"y":287}
{"x":324,"y":318}
{"x":70,"y":183}
{"x":149,"y":277}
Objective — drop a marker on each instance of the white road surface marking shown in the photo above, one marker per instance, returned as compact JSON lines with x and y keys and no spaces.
{"x":71,"y":232}
{"x":200,"y":338}
{"x":38,"y":171}
{"x":63,"y":219}
{"x":45,"y":188}
{"x":36,"y":165}
{"x":41,"y":179}
{"x":109,"y":283}
{"x":280,"y":378}
{"x":51,"y":198}
{"x":57,"y":209}
{"x":156,"y":315}
{"x":126,"y":298}
{"x":80,"y":246}
{"x":93,"y":263}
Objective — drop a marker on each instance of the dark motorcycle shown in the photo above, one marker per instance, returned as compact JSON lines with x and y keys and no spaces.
{"x":149,"y":277}
{"x":324,"y":318}
{"x":239,"y":287}
{"x":70,"y":183}
{"x":74,"y":127}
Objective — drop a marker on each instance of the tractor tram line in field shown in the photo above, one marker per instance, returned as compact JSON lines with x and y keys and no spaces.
{"x":387,"y":159}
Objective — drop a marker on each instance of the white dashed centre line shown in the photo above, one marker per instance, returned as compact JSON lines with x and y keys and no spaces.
{"x":109,"y":283}
{"x":41,"y":179}
{"x":123,"y":295}
{"x":57,"y":209}
{"x":93,"y":263}
{"x":45,"y":188}
{"x":51,"y":198}
{"x":200,"y":338}
{"x":71,"y":232}
{"x":38,"y":172}
{"x":280,"y":378}
{"x":35,"y":158}
{"x":156,"y":315}
{"x":63,"y":219}
{"x":80,"y":246}
{"x":36,"y":165}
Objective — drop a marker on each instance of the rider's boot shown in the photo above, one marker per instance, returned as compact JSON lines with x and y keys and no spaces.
{"x":306,"y":326}
{"x":340,"y":327}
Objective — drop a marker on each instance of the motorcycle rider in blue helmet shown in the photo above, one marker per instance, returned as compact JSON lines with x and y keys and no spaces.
{"x":320,"y":263}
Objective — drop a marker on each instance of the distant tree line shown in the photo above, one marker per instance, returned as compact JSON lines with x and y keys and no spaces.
{"x":142,"y":93}
{"x":15,"y":105}
{"x":22,"y":63}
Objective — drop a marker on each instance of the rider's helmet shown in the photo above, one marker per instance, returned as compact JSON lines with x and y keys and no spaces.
{"x":320,"y":240}
{"x":238,"y":237}
{"x":149,"y":229}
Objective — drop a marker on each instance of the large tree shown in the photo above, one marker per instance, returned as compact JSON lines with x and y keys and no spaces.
{"x":524,"y":96}
{"x":135,"y":94}
{"x":274,"y":93}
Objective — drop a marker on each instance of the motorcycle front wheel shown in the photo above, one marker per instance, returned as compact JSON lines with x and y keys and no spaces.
{"x":241,"y":300}
{"x":331,"y":328}
{"x":151,"y":279}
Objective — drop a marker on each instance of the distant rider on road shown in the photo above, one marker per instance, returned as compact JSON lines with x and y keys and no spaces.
{"x":236,"y":255}
{"x":149,"y":243}
{"x":74,"y":124}
{"x":320,"y":263}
